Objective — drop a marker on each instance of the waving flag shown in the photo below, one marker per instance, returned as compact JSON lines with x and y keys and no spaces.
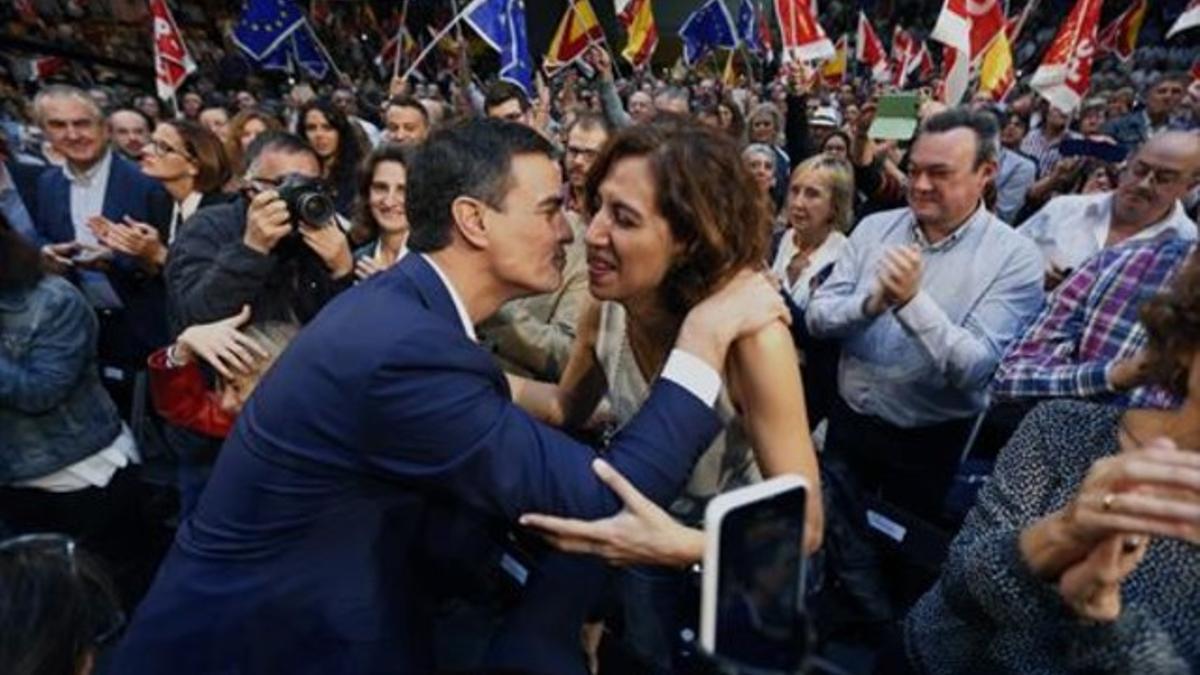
{"x":1120,"y":38}
{"x":578,"y":31}
{"x":905,"y":56}
{"x":977,"y":29}
{"x":275,"y":35}
{"x":1189,"y":19}
{"x":638,"y":20}
{"x":501,"y":24}
{"x":1065,"y":74}
{"x":707,"y":28}
{"x":802,"y":35}
{"x":868,"y":49}
{"x":172,"y":63}
{"x":834,"y":70}
{"x":747,"y":26}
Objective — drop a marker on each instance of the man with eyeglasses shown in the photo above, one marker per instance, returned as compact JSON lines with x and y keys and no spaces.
{"x":251,"y":252}
{"x":1146,"y":205}
{"x":1087,"y":342}
{"x":533,"y":336}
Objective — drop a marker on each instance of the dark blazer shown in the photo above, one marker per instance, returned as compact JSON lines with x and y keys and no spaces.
{"x":304,"y":553}
{"x":141,"y":327}
{"x":25,"y":178}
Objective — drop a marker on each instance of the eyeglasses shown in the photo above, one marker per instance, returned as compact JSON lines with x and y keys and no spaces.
{"x":57,"y":545}
{"x":1158,"y":175}
{"x":160,"y":148}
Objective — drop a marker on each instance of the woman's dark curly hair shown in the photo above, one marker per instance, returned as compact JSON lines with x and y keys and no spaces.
{"x":366,"y":228}
{"x":707,"y":196}
{"x":1172,"y":322}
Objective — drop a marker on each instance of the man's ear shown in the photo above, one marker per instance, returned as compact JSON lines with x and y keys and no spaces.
{"x":468,"y":220}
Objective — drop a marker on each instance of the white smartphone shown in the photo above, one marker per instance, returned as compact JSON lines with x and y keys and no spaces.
{"x":751,"y":611}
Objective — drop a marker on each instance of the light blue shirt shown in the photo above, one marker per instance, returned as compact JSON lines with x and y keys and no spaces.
{"x":1015,"y":175}
{"x":931,"y":360}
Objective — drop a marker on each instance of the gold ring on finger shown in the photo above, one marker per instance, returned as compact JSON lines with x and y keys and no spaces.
{"x":1107,"y":502}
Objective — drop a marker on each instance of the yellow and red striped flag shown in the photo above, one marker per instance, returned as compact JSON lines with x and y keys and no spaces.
{"x":578,"y":30}
{"x":638,"y":20}
{"x":1120,"y":37}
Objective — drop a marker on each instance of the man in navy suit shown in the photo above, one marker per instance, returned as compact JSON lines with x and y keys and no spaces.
{"x":304,"y":553}
{"x":96,"y":181}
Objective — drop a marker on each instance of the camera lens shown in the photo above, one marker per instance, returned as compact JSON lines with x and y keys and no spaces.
{"x":315,"y":208}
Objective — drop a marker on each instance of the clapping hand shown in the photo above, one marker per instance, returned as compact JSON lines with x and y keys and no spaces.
{"x":132,"y":237}
{"x":1092,"y":587}
{"x":898,"y":279}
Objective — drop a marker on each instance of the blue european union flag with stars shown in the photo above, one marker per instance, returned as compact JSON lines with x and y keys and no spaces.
{"x":264,"y":26}
{"x":708,"y":27}
{"x":501,"y":24}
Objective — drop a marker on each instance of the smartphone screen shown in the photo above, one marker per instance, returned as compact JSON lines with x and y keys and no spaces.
{"x":760,"y":583}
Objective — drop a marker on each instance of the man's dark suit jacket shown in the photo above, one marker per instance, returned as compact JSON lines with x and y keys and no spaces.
{"x":141,"y":328}
{"x":302,"y":556}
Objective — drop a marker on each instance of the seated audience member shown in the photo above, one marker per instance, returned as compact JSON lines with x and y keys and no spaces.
{"x":1041,"y":144}
{"x":190,"y":163}
{"x":924,"y":301}
{"x":407,"y":120}
{"x":1163,"y":97}
{"x":215,"y":118}
{"x":1145,"y":205}
{"x":380,"y":220}
{"x":243,"y":129}
{"x":68,"y":460}
{"x":58,"y":608}
{"x":238,"y":352}
{"x":675,"y":210}
{"x":341,"y":146}
{"x":130,"y":130}
{"x":251,"y":251}
{"x":1088,"y":343}
{"x":1015,"y":174}
{"x":1083,"y":551}
{"x":533,"y":336}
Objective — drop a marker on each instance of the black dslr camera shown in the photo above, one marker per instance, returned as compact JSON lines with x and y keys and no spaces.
{"x":308,"y":200}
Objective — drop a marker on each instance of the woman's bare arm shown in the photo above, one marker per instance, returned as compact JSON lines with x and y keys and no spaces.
{"x":571,"y":402}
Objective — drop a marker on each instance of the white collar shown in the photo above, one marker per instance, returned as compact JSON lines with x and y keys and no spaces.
{"x":459,"y":307}
{"x":88,"y":178}
{"x":190,"y":204}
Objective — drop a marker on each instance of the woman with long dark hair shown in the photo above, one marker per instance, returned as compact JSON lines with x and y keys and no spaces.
{"x":341,"y":146}
{"x":380,"y":223}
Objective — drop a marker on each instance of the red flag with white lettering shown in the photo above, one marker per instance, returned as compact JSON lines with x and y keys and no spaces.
{"x":172,"y":63}
{"x":1065,"y":74}
{"x":802,"y":36}
{"x":868,"y":49}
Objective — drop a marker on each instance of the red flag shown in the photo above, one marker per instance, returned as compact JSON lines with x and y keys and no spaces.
{"x":925,"y":67}
{"x":905,"y":55}
{"x":764,"y":37}
{"x":1120,"y":37}
{"x":802,"y":35}
{"x":868,"y":49}
{"x":1065,"y":74}
{"x":172,"y":63}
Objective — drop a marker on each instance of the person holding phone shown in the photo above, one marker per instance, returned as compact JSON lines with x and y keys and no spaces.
{"x":1145,"y":205}
{"x":1082,"y":553}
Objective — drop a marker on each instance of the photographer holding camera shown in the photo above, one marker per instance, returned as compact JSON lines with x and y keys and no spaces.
{"x":277,"y":250}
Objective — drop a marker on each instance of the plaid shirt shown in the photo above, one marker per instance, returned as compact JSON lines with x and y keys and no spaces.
{"x":1090,"y":322}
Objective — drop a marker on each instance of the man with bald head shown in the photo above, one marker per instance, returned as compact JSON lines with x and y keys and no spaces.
{"x":1146,"y":205}
{"x":1088,"y":343}
{"x":130,"y":131}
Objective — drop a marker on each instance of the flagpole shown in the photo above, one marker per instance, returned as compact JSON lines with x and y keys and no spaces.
{"x":436,"y":39}
{"x":400,"y":39}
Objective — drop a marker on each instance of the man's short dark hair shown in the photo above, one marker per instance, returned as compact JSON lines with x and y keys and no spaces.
{"x":987,"y":132}
{"x":590,"y":120}
{"x":472,"y":158}
{"x":1170,"y":76}
{"x":278,"y":141}
{"x":406,"y":102}
{"x":501,"y":92}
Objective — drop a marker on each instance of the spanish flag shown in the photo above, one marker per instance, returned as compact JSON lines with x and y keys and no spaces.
{"x":638,"y":20}
{"x":577,"y":31}
{"x":833,"y":71}
{"x":996,"y":74}
{"x":1120,"y":38}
